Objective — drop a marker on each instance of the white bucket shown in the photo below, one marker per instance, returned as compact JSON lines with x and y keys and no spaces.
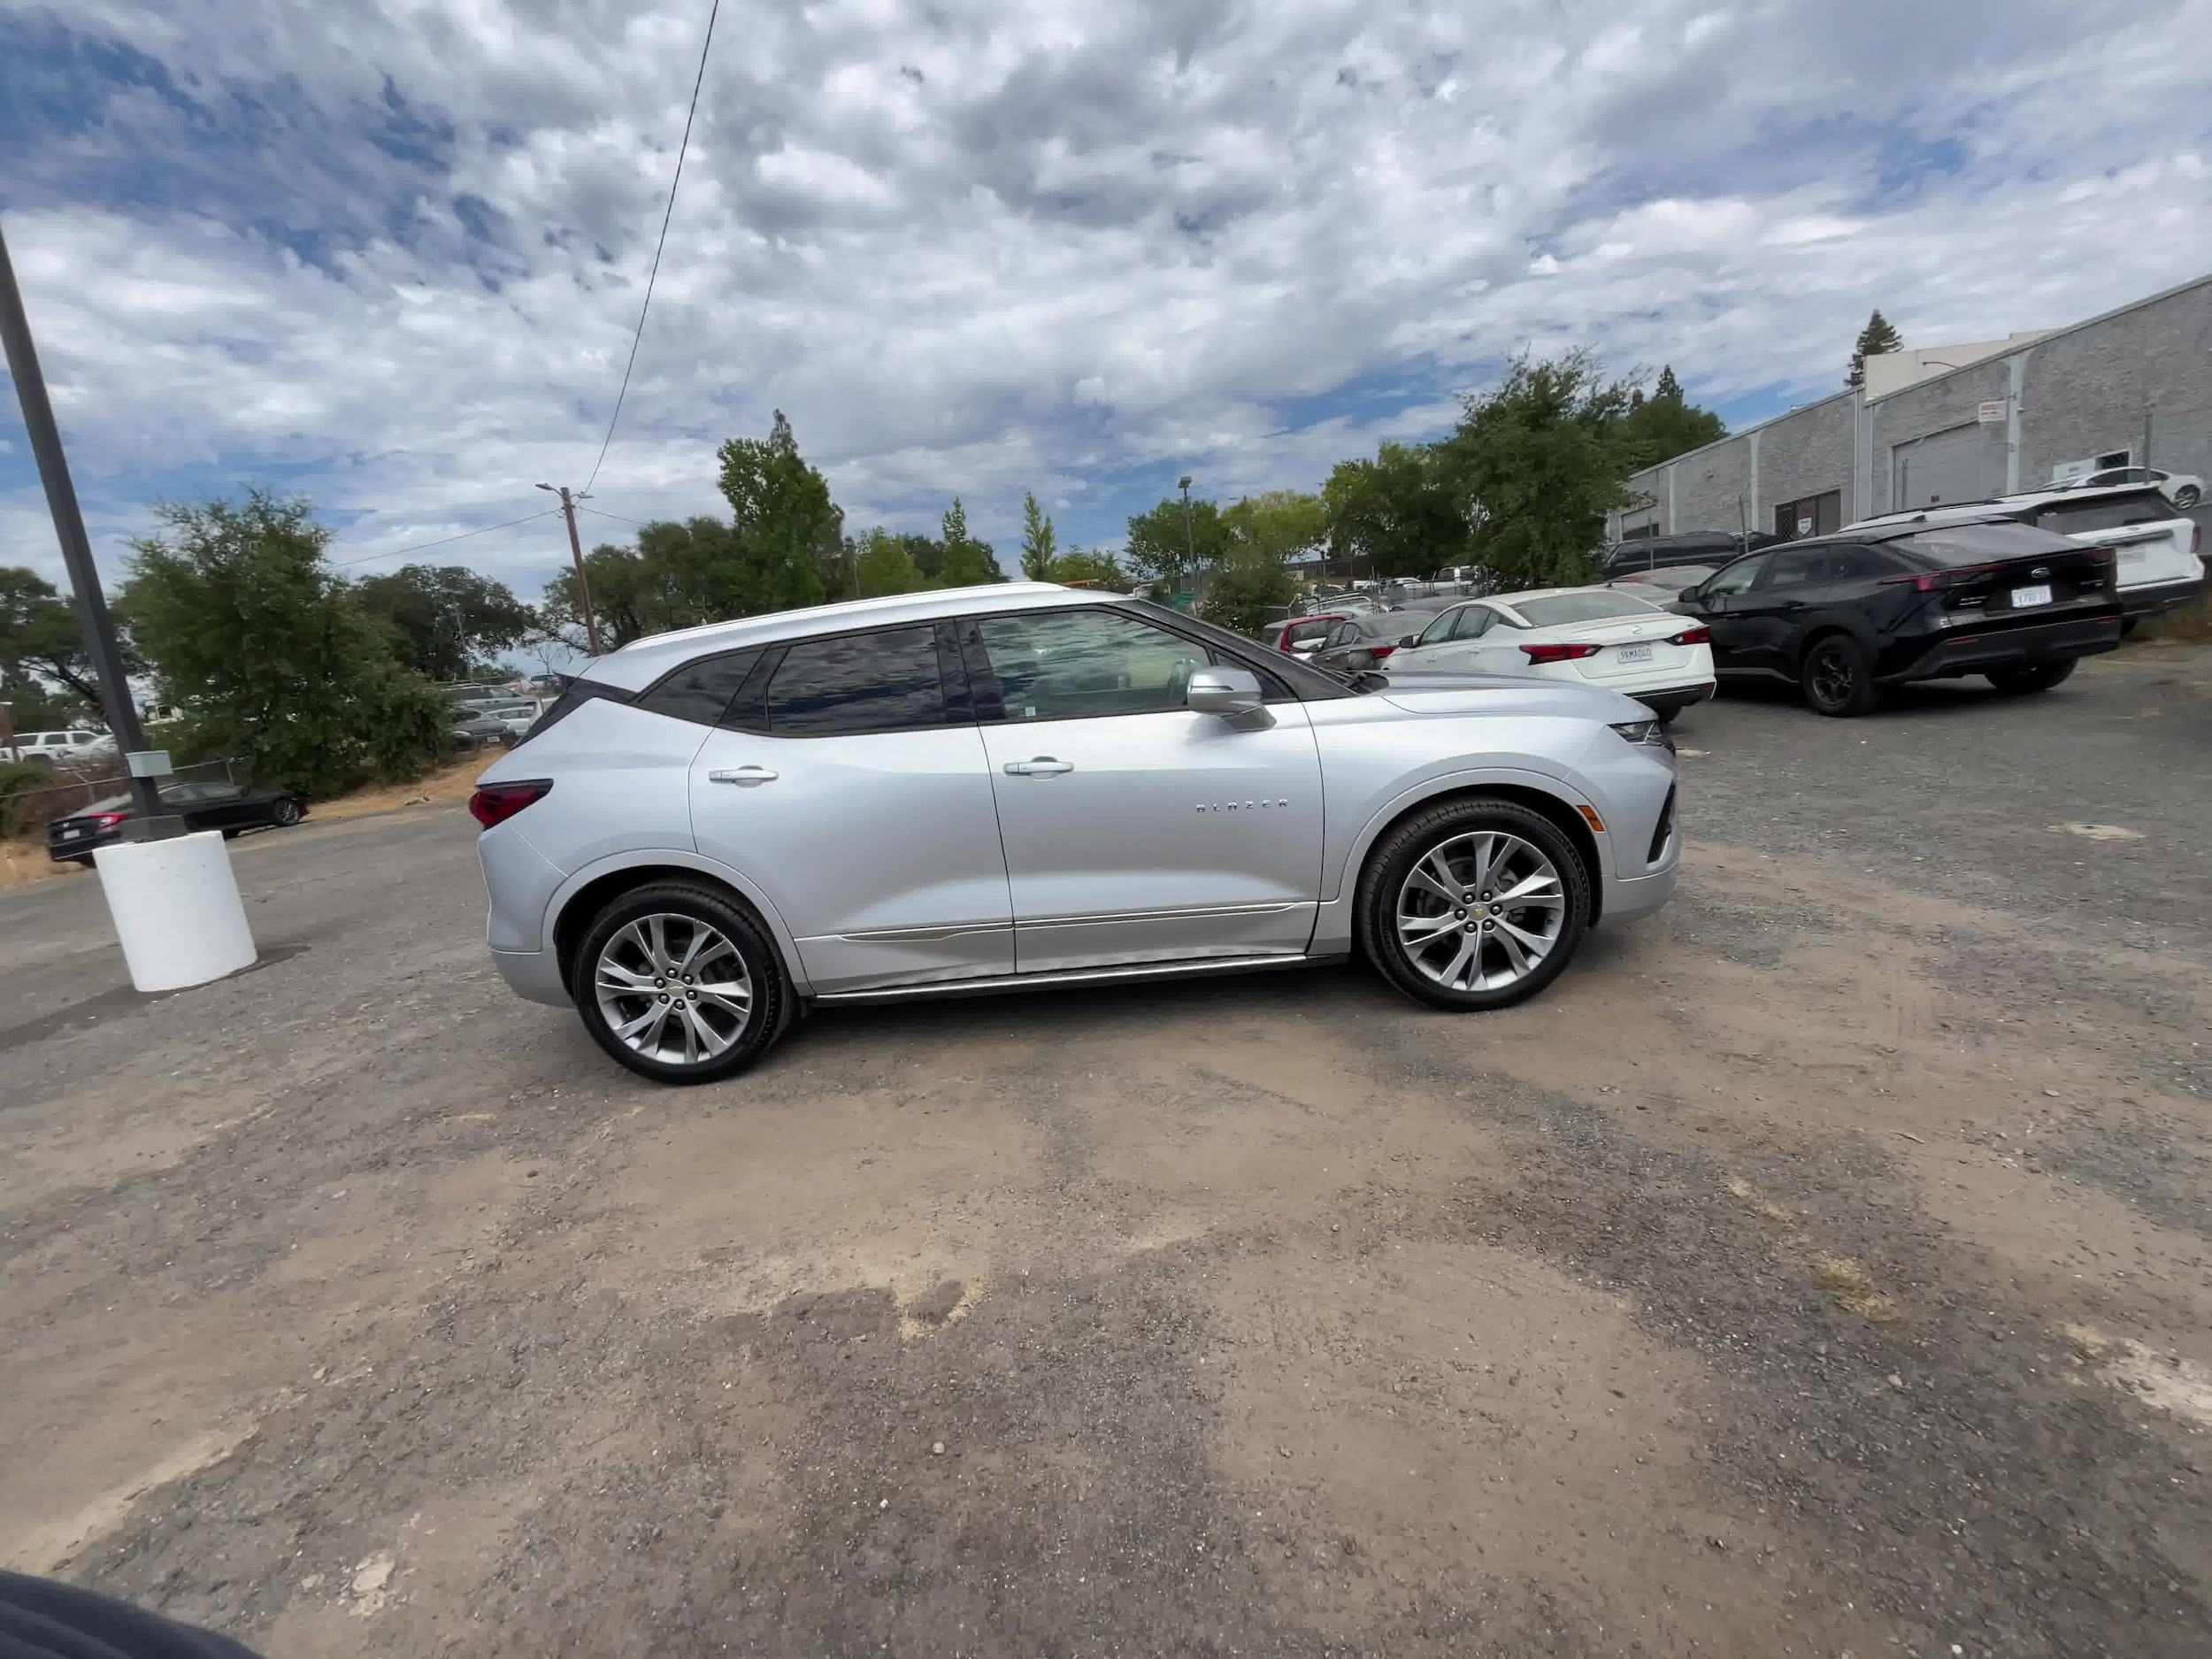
{"x":176,"y":908}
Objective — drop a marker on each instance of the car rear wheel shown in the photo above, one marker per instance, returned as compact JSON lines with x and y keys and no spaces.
{"x":1837,"y":678}
{"x":2018,"y":683}
{"x":678,"y":984}
{"x":1477,"y":903}
{"x":2186,"y":497}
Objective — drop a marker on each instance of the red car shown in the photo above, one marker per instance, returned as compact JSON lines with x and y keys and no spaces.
{"x":1302,"y":636}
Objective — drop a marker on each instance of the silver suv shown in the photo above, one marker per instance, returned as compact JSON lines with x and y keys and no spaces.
{"x":1020,"y":786}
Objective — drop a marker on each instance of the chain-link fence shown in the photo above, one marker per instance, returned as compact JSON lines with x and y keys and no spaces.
{"x":25,"y":811}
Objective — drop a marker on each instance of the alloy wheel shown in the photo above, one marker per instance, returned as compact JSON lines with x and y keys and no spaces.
{"x":673,"y":988}
{"x":1833,"y":675}
{"x":1479,"y":911}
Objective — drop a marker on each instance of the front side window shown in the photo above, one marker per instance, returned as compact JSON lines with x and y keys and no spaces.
{"x":1081,"y":665}
{"x":1734,"y":579}
{"x":1442,"y":628}
{"x":884,"y":682}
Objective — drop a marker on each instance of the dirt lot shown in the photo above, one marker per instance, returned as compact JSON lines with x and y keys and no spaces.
{"x":1823,"y":1266}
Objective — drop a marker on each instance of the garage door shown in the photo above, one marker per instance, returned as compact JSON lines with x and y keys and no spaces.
{"x":1962,"y":463}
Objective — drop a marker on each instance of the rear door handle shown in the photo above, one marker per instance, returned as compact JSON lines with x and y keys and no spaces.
{"x":1043,"y":766}
{"x":745,"y":777}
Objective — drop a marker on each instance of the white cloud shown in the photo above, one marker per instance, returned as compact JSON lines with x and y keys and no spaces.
{"x":981,"y":249}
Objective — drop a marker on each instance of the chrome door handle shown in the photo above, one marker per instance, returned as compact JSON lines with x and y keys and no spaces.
{"x":746,"y":777}
{"x":1043,"y":766}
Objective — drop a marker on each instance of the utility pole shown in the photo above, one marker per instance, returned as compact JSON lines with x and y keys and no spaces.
{"x":150,"y":822}
{"x":576,"y":552}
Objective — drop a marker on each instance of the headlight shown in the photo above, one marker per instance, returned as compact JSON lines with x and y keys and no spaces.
{"x":1651,"y":731}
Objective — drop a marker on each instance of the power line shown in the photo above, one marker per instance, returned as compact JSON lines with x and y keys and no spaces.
{"x":419,"y":546}
{"x":617,"y":517}
{"x":652,"y":275}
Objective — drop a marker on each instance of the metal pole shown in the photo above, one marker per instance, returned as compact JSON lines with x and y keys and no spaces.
{"x":148,"y":822}
{"x":1190,"y":550}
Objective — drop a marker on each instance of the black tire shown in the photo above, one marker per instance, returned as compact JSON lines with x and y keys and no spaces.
{"x":2186,"y":497}
{"x":286,"y":813}
{"x":1837,"y":678}
{"x":1391,"y":866}
{"x":2020,"y":682}
{"x":2128,"y":626}
{"x":767,"y":1013}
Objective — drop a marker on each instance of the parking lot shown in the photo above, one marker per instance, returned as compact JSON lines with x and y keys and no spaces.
{"x":1824,"y":1265}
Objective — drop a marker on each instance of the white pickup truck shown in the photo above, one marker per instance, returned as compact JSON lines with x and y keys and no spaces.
{"x":2158,"y":547}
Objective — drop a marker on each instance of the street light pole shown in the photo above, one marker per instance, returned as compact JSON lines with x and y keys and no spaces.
{"x":1190,"y":550}
{"x":150,"y":822}
{"x":576,"y":552}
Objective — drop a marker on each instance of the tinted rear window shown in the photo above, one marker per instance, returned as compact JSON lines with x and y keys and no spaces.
{"x":885,"y":681}
{"x":1551,"y":611}
{"x":1982,"y":543}
{"x":701,"y":691}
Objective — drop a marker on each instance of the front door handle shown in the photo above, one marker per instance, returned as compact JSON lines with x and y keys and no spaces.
{"x":1043,"y":766}
{"x":745,"y":777}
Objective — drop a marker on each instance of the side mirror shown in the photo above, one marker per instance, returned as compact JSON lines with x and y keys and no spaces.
{"x":1228,"y":691}
{"x":1410,"y":639}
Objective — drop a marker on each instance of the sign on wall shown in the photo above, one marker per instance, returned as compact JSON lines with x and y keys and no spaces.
{"x":1992,"y":414}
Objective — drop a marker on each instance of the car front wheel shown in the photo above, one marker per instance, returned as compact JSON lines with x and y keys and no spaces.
{"x":2186,"y":497}
{"x":285,"y":813}
{"x":2018,"y":683}
{"x":678,"y":984}
{"x":1475,"y":903}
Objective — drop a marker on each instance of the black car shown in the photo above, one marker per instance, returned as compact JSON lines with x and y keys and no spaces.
{"x":1846,"y":615}
{"x":227,"y":807}
{"x":1363,"y":642}
{"x":1691,"y":546}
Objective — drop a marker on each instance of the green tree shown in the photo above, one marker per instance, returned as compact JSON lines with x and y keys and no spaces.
{"x":968,"y":563}
{"x":1168,"y":550}
{"x":1039,"y":546}
{"x":269,"y":654}
{"x":1246,"y":593}
{"x":40,"y":640}
{"x":1667,"y":424}
{"x":885,"y":566}
{"x":1087,"y":564}
{"x":787,"y":528}
{"x":1877,"y":337}
{"x":446,"y":616}
{"x":1399,"y":514}
{"x":1280,"y":524}
{"x":1541,"y":459}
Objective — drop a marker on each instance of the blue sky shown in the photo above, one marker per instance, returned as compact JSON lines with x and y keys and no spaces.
{"x":391,"y":255}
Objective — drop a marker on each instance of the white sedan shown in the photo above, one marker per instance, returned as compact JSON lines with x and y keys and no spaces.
{"x":1600,"y":635}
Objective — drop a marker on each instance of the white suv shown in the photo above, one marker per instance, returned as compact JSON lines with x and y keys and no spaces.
{"x":1021,"y":785}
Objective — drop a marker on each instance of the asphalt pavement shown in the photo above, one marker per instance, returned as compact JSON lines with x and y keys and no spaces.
{"x":1824,"y":1264}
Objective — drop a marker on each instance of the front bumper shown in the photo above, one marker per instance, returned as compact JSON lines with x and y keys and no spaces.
{"x":2014,"y":647}
{"x":2154,"y":597}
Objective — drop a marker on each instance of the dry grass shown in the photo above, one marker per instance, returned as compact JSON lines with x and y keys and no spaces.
{"x":23,"y":858}
{"x":1847,"y":1282}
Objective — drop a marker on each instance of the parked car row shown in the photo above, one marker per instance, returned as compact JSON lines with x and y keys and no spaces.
{"x":65,"y":748}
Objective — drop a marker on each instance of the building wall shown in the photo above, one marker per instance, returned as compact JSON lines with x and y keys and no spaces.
{"x":2081,"y":392}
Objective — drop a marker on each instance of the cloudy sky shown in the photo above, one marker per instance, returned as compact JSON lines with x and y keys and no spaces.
{"x":391,"y":255}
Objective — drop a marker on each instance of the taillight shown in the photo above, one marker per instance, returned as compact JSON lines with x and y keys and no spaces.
{"x":108,"y":820}
{"x":1559,"y":653}
{"x":2196,"y":538}
{"x":1929,"y":581}
{"x":1380,"y":651}
{"x":496,"y":802}
{"x":1699,"y":635}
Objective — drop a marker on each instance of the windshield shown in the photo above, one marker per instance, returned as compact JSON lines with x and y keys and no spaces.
{"x":1554,"y":609}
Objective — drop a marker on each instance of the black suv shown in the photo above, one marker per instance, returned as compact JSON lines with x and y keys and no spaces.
{"x":1846,"y":615}
{"x":1691,"y":546}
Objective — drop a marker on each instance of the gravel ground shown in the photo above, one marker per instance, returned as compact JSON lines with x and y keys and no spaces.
{"x":1824,"y":1266}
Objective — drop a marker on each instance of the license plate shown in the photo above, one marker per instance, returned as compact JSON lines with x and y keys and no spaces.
{"x":1635,"y":653}
{"x":71,"y":834}
{"x":2023,"y":597}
